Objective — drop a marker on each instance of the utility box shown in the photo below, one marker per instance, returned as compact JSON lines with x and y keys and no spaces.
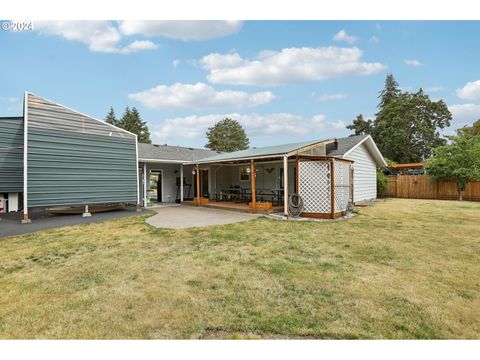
{"x":12,"y":202}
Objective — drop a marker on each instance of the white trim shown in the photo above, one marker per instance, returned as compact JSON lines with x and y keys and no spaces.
{"x":25,"y":153}
{"x":285,"y":185}
{"x":164,"y":161}
{"x":136,"y":170}
{"x":149,"y":174}
{"x":144,"y":184}
{"x":378,"y":153}
{"x":78,"y":112}
{"x":181,"y":183}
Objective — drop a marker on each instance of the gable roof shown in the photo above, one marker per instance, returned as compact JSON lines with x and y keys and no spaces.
{"x":344,"y":145}
{"x":167,"y":153}
{"x":349,"y":144}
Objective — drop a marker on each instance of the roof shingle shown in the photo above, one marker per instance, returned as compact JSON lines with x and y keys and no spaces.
{"x":174,"y":153}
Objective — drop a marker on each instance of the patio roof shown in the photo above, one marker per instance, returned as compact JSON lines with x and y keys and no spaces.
{"x":262,"y":152}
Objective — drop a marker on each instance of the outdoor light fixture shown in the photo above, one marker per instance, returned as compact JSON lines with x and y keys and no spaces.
{"x":193,"y":172}
{"x":248,"y":170}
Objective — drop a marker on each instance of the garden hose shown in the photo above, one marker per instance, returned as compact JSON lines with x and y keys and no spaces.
{"x":295,"y":205}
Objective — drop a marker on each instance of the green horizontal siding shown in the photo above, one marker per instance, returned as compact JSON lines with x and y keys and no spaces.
{"x":80,"y":169}
{"x":11,"y":155}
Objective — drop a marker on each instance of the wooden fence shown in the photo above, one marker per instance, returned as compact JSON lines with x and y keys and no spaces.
{"x":422,"y":187}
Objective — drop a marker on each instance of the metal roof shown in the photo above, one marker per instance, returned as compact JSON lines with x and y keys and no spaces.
{"x":172,"y":153}
{"x":256,"y":152}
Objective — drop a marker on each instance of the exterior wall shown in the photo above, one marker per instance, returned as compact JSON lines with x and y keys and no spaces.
{"x":11,"y":155}
{"x":170,"y":172}
{"x":74,"y":159}
{"x":365,"y":174}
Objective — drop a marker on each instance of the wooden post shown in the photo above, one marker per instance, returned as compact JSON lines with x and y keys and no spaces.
{"x":285,"y":185}
{"x":332,"y":187}
{"x":296,"y":174}
{"x":253,"y":178}
{"x":197,"y":173}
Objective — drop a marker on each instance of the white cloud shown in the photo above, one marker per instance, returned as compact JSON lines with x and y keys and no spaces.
{"x":175,"y":63}
{"x":464,"y":113}
{"x":471,"y":91}
{"x":198,"y":96}
{"x":138,"y":45}
{"x":288,"y":66}
{"x":276,"y":124}
{"x":413,"y":62}
{"x":107,"y":36}
{"x":99,"y":36}
{"x":329,"y":97}
{"x":343,"y":36}
{"x":374,"y":39}
{"x":184,"y":29}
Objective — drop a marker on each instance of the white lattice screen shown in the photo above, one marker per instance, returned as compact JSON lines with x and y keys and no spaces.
{"x":341,"y":185}
{"x":314,"y":185}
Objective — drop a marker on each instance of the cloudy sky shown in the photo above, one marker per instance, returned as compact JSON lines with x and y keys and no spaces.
{"x":285,"y":81}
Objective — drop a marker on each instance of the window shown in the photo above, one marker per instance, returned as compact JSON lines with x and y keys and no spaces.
{"x":244,"y":174}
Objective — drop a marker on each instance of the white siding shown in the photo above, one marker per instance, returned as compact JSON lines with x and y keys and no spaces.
{"x":365,"y":174}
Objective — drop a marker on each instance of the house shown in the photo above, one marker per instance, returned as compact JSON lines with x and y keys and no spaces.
{"x":165,"y":173}
{"x":58,"y":156}
{"x":54,"y":155}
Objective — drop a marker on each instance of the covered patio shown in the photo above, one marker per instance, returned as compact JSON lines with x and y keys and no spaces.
{"x":260,"y":180}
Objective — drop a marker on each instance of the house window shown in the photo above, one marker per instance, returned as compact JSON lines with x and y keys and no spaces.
{"x":244,"y":174}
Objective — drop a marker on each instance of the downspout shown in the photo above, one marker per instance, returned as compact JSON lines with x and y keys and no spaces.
{"x":25,"y":219}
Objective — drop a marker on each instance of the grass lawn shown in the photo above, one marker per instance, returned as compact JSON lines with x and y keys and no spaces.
{"x":400,"y":269}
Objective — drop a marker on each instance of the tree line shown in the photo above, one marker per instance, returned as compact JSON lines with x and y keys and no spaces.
{"x":131,"y":121}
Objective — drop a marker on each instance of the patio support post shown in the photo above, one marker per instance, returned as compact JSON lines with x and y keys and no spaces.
{"x":254,"y":186}
{"x":285,"y":185}
{"x":197,"y":173}
{"x":181,"y":183}
{"x":144,"y":184}
{"x":332,"y":188}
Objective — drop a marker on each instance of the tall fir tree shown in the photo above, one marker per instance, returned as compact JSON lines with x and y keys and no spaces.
{"x":131,"y":121}
{"x":111,"y":119}
{"x":406,"y":125}
{"x":389,"y":93}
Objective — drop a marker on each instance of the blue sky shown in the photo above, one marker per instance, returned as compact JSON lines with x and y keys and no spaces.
{"x":285,"y":81}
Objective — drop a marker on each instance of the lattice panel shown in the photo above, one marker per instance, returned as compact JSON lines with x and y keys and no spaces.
{"x":314,"y":185}
{"x":341,"y":185}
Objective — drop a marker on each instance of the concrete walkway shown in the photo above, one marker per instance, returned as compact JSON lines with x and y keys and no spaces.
{"x":181,"y":217}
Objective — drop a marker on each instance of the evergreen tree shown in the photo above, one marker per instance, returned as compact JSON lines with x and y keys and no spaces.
{"x":111,"y":119}
{"x":406,"y":126}
{"x":131,"y":121}
{"x":227,"y":135}
{"x":390,"y":92}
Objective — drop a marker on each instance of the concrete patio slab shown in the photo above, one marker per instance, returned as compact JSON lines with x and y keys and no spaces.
{"x":181,"y":217}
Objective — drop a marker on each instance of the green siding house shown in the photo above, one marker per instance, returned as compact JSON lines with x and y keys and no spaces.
{"x":54,"y":155}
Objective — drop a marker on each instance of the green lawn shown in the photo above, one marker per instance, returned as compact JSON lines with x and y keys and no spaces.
{"x":400,"y":269}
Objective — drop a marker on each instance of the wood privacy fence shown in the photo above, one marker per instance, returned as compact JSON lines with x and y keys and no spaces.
{"x":422,"y":187}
